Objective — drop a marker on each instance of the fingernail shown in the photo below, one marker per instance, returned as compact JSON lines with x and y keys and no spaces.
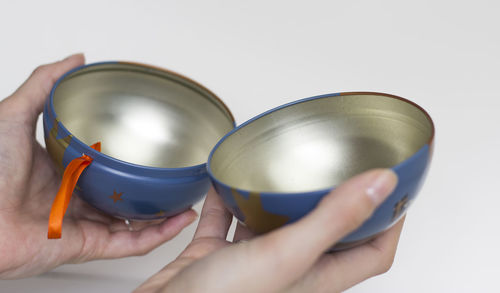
{"x":381,"y":186}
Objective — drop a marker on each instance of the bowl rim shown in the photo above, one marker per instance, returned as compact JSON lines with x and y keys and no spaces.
{"x":339,"y":94}
{"x":98,"y":156}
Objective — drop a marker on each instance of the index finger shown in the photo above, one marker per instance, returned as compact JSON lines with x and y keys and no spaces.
{"x":27,"y":102}
{"x":215,"y":219}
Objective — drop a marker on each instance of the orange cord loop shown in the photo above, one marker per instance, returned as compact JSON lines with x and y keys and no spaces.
{"x":68,"y":183}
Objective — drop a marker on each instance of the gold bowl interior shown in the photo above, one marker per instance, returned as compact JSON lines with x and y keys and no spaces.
{"x":142,"y":115}
{"x":321,"y":142}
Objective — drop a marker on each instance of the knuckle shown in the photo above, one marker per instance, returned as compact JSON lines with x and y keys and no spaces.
{"x":40,"y":70}
{"x":350,"y":209}
{"x":215,"y":212}
{"x":355,"y":213}
{"x":210,"y":213}
{"x":45,"y":73}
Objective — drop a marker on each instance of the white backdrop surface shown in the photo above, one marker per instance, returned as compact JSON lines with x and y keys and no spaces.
{"x":255,"y":55}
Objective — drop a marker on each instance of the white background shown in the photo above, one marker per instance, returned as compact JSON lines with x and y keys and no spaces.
{"x":255,"y":55}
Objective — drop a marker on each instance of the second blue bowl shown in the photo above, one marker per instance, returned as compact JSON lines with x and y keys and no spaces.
{"x":275,"y":168}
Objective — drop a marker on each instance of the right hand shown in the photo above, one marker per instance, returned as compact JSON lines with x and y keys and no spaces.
{"x":291,"y":258}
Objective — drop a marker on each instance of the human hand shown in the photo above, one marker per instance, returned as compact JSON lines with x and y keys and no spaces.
{"x":291,"y":258}
{"x":29,"y":183}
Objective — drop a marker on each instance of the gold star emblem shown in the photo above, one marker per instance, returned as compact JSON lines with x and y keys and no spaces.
{"x":400,"y":207}
{"x":256,"y":218}
{"x":116,"y":196}
{"x":57,"y":146}
{"x":160,"y":213}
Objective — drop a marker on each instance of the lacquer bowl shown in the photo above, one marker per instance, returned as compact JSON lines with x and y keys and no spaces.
{"x":275,"y":168}
{"x":156,"y":130}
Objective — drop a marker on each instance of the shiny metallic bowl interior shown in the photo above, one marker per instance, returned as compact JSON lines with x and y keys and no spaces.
{"x":142,"y":115}
{"x":317,"y":143}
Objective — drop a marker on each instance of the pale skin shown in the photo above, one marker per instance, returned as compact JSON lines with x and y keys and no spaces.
{"x":289,"y":259}
{"x":29,"y":183}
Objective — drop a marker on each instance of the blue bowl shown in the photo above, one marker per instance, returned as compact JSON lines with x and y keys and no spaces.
{"x":275,"y":168}
{"x":156,"y":128}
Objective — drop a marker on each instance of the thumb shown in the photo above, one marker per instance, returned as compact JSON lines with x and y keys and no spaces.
{"x":27,"y":102}
{"x":297,"y":246}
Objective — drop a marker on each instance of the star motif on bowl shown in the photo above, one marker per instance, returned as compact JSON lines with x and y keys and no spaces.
{"x":116,"y":196}
{"x":57,"y":146}
{"x":400,"y":207}
{"x":160,"y":213}
{"x":256,"y":217}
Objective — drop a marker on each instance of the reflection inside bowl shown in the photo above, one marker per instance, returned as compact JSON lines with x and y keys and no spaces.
{"x":145,"y":119}
{"x":319,"y":143}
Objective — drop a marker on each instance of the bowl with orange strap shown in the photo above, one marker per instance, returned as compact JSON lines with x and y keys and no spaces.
{"x":131,"y":140}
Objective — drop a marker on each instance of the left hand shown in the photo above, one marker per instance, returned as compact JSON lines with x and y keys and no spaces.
{"x":29,"y":183}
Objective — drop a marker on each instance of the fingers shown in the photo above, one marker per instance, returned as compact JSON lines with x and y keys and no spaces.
{"x":341,"y":270}
{"x":373,"y":258}
{"x":130,"y":243}
{"x":27,"y":102}
{"x":215,"y":219}
{"x":79,"y":209}
{"x":296,"y":247}
{"x":274,"y":261}
{"x":242,"y":233}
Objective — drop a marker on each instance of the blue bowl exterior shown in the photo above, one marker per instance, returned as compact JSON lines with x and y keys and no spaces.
{"x":263,"y":212}
{"x":122,"y":189}
{"x":283,"y":208}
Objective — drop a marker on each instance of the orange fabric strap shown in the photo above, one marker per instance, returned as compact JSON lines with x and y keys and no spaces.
{"x":68,"y":183}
